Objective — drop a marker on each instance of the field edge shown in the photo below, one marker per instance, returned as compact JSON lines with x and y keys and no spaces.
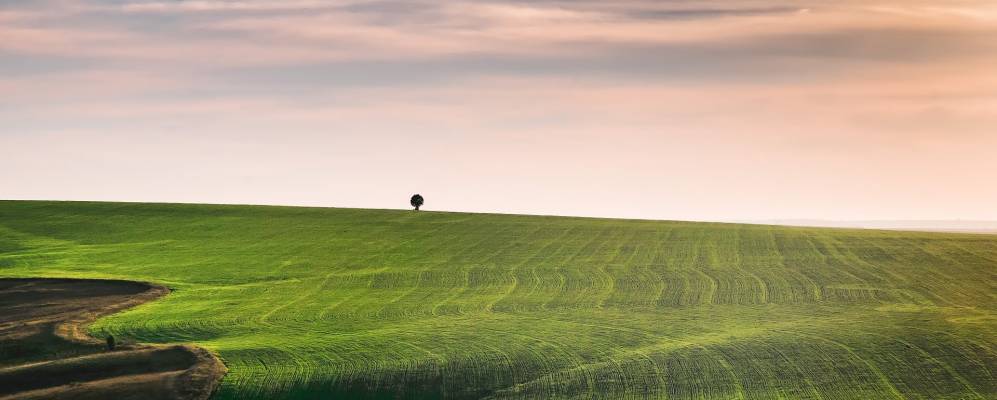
{"x":198,"y":382}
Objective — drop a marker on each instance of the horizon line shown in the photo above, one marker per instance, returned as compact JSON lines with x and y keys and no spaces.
{"x":790,"y":222}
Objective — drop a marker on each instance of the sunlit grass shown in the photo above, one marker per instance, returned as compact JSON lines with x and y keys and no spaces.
{"x":310,"y":303}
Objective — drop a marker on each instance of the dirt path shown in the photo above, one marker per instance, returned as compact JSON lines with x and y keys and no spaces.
{"x":45,"y":352}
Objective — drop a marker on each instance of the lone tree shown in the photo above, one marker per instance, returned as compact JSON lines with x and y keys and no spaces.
{"x":110,"y":342}
{"x":416,"y":201}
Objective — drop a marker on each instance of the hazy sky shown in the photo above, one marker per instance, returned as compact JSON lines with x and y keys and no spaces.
{"x":710,"y":110}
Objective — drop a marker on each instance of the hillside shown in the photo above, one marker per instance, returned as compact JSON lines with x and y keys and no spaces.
{"x":310,"y":302}
{"x":45,"y":352}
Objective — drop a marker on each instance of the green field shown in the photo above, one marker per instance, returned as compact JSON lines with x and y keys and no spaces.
{"x":313,"y":303}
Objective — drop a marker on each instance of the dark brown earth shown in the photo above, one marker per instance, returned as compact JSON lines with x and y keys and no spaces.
{"x":45,"y":352}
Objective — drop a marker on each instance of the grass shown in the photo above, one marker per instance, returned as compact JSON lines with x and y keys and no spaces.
{"x":314,"y":303}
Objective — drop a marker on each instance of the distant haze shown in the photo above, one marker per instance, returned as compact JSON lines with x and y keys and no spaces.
{"x":849,"y":110}
{"x":937,"y":226}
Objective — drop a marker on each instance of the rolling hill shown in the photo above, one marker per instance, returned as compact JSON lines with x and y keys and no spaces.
{"x":316,"y":302}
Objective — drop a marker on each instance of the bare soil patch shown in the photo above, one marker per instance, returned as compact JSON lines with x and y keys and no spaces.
{"x":45,"y":352}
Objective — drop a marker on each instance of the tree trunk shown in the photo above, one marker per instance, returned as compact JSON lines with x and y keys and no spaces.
{"x":417,"y":208}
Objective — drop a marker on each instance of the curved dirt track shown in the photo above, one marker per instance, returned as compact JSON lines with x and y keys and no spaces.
{"x":45,"y":352}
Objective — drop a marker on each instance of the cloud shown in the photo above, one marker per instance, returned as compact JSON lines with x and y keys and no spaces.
{"x":269,"y":45}
{"x":626,"y":35}
{"x":213,"y":6}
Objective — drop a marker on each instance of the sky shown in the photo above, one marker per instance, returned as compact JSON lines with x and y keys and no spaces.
{"x":675,"y":109}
